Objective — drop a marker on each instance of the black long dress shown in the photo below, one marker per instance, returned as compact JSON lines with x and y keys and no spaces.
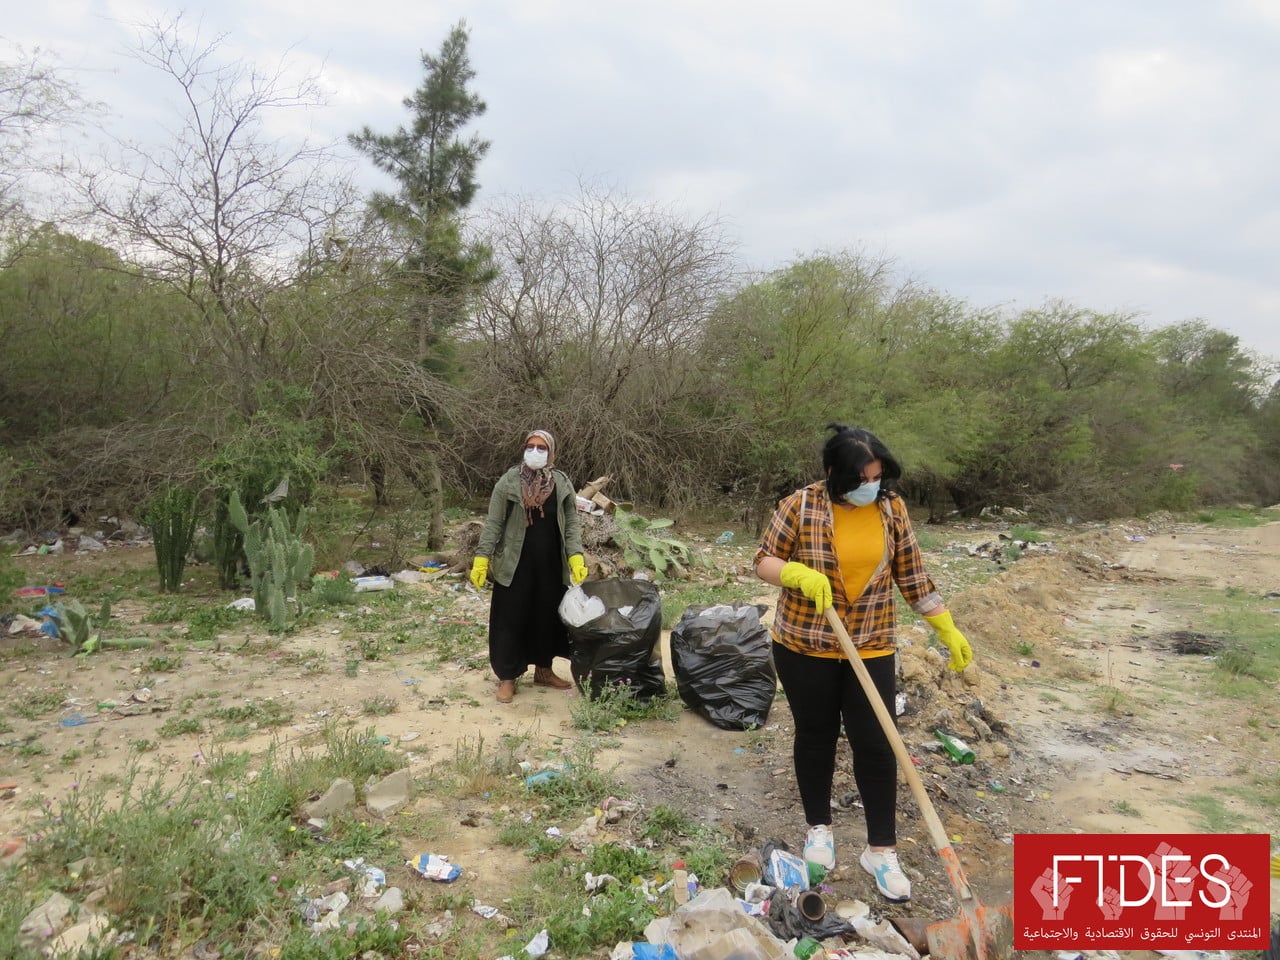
{"x":524,"y":619}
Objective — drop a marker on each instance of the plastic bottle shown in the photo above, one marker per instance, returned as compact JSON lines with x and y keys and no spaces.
{"x":957,"y":749}
{"x":680,"y":882}
{"x":807,"y":948}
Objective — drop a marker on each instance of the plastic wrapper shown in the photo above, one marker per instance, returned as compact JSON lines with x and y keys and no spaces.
{"x":723,"y":662}
{"x":621,"y":646}
{"x":577,"y":609}
{"x":435,"y":866}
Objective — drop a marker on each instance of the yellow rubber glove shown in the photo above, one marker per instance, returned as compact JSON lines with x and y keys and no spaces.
{"x":479,"y":571}
{"x":577,"y":568}
{"x":808,"y":581}
{"x":952,"y":639}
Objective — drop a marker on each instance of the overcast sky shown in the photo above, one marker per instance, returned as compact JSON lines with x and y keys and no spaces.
{"x":1120,"y":154}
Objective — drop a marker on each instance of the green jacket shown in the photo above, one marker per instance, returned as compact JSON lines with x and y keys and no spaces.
{"x":503,"y":533}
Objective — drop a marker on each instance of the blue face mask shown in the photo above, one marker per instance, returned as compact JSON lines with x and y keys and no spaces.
{"x":862,"y":495}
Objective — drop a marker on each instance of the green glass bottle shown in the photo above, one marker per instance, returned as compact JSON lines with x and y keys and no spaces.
{"x":807,"y":947}
{"x":957,"y":749}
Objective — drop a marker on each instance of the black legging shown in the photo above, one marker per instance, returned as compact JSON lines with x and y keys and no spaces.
{"x":821,"y":691}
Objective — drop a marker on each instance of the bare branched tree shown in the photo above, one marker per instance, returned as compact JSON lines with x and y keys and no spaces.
{"x":35,"y":99}
{"x":218,"y":206}
{"x":588,"y":330}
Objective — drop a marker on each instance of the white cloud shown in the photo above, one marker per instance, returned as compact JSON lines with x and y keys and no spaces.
{"x":1004,"y":150}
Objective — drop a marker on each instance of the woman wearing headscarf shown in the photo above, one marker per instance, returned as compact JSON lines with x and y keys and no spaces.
{"x":531,"y":548}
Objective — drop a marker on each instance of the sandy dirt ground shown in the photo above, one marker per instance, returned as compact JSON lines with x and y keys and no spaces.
{"x":1093,"y":721}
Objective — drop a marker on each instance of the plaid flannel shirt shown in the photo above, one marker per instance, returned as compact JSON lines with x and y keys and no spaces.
{"x":808,"y":539}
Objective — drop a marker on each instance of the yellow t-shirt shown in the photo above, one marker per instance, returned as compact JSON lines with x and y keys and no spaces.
{"x":859,"y":546}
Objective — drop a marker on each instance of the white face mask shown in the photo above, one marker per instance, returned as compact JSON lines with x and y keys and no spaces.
{"x":862,"y":495}
{"x":535,"y":459}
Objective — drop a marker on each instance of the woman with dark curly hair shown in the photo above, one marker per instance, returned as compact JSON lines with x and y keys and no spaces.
{"x":845,"y":542}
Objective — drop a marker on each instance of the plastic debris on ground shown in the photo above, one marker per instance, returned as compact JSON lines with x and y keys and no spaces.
{"x":435,"y":866}
{"x":369,"y":584}
{"x":650,"y":951}
{"x":324,"y":913}
{"x":786,"y":870}
{"x":372,"y":879}
{"x":541,"y":778}
{"x":246,"y":604}
{"x":593,"y":882}
{"x":713,"y":926}
{"x":535,"y":947}
{"x":41,"y":591}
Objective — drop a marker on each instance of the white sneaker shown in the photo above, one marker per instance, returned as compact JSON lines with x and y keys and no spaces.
{"x":890,"y":880}
{"x":820,"y":847}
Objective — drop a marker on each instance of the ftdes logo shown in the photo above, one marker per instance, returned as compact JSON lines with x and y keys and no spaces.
{"x":1141,"y":891}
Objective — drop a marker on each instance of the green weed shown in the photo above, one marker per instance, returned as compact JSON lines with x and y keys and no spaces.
{"x":454,"y":640}
{"x":363,"y":938}
{"x":34,"y":705}
{"x":180,"y":727}
{"x":1115,"y":701}
{"x":205,"y":623}
{"x":665,"y":824}
{"x":1027,"y":534}
{"x":1125,"y":809}
{"x":580,"y":785}
{"x":614,"y":705}
{"x":1235,"y":516}
{"x":1212,"y":816}
{"x":380,"y":706}
{"x":257,"y":714}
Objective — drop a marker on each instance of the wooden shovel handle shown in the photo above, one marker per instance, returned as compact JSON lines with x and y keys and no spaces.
{"x":936,"y":831}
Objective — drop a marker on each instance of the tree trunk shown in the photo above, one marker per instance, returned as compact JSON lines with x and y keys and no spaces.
{"x":435,"y":507}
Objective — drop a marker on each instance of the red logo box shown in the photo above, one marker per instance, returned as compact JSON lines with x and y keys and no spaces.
{"x":1141,"y":891}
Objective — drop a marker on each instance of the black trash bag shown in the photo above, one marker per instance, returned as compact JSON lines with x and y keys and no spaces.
{"x":786,"y":921}
{"x":618,"y":647}
{"x":723,"y":662}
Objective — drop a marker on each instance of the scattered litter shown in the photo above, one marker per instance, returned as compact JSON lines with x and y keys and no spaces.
{"x":786,"y":870}
{"x":726,"y":537}
{"x":44,"y":591}
{"x":435,"y":866}
{"x":369,"y":584}
{"x":372,"y":880}
{"x":538,"y":945}
{"x":246,"y":604}
{"x":542,"y":778}
{"x":323,"y":912}
{"x":411,"y":735}
{"x":593,"y":882}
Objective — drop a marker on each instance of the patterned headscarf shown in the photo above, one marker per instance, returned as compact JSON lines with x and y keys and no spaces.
{"x":536,"y":485}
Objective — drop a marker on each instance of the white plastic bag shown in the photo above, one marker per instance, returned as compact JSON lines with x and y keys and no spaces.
{"x":577,"y":608}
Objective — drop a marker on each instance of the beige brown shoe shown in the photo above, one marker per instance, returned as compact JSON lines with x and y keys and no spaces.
{"x":506,"y":691}
{"x":546,"y":677}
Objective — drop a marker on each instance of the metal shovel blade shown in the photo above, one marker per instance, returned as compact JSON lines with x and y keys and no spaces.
{"x":980,"y":933}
